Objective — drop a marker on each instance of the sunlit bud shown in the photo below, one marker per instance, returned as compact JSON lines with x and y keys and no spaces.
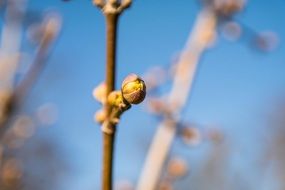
{"x":177,"y":167}
{"x":52,"y":25}
{"x":116,"y":99}
{"x":99,"y":93}
{"x":225,"y":7}
{"x":100,"y":116}
{"x":126,"y":3}
{"x":99,"y":3}
{"x":112,"y":1}
{"x":228,"y":7}
{"x":133,"y":89}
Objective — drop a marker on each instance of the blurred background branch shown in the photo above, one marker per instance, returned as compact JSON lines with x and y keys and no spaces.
{"x":204,"y":32}
{"x":12,"y":97}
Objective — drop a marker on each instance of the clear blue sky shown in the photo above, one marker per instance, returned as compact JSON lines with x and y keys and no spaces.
{"x":235,"y":85}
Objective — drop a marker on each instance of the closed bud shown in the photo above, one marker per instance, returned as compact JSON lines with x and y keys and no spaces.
{"x":133,"y":89}
{"x":99,"y":93}
{"x":99,"y":3}
{"x":126,"y":3}
{"x":100,"y":116}
{"x":228,"y":7}
{"x":177,"y":167}
{"x":116,"y":99}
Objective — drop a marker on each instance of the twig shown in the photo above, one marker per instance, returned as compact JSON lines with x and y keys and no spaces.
{"x":109,"y":138}
{"x":111,"y":10}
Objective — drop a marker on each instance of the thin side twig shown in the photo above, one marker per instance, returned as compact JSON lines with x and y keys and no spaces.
{"x":9,"y":54}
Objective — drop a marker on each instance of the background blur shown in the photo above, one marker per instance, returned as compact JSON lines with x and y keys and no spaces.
{"x":238,"y":95}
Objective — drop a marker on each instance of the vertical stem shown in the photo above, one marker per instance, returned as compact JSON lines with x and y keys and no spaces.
{"x":107,"y":173}
{"x":108,"y":139}
{"x":111,"y":21}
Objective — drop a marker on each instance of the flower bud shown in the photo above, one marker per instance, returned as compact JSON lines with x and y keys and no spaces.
{"x":133,"y":89}
{"x":115,"y":98}
{"x":177,"y":167}
{"x":99,"y":93}
{"x":126,"y":3}
{"x":100,"y":116}
{"x":99,"y":3}
{"x":228,"y":7}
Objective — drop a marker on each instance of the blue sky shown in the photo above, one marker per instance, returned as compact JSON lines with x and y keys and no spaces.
{"x":235,"y":86}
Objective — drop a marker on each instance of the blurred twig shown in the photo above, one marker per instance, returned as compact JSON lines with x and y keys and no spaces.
{"x":203,"y":33}
{"x":50,"y":31}
{"x":10,"y":46}
{"x":199,"y":39}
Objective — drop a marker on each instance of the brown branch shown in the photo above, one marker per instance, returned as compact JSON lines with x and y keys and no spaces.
{"x":109,"y":138}
{"x":112,"y":10}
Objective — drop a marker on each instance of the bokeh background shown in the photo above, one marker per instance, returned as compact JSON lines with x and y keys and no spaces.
{"x":238,"y":92}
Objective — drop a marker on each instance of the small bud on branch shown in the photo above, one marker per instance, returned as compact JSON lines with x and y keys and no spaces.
{"x":116,"y":99}
{"x":99,"y":93}
{"x":112,"y":6}
{"x":100,"y":116}
{"x":133,"y":89}
{"x":99,"y":3}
